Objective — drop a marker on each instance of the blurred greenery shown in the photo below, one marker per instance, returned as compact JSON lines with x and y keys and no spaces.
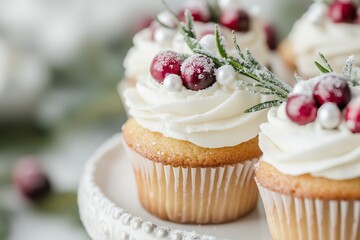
{"x":81,"y":96}
{"x":62,"y":204}
{"x":4,"y":223}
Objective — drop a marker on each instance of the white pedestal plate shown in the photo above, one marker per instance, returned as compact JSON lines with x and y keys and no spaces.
{"x":110,"y":209}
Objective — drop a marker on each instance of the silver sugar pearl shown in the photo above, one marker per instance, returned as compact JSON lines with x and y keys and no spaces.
{"x":225,"y":75}
{"x":173,"y":83}
{"x":329,"y":115}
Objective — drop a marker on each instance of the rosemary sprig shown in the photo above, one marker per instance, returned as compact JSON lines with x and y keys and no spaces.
{"x":244,"y":64}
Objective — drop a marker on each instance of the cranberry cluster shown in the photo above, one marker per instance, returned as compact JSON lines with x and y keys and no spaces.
{"x":331,"y":88}
{"x":196,"y":72}
{"x":344,"y":11}
{"x":234,"y":19}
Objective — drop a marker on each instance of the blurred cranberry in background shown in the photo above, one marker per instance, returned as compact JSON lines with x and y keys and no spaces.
{"x":30,"y":179}
{"x":271,"y":35}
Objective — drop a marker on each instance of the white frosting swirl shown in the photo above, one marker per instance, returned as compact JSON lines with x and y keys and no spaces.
{"x":337,"y":41}
{"x":213,"y":117}
{"x":309,"y":149}
{"x":138,"y":59}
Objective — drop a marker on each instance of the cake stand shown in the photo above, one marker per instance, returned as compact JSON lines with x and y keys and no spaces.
{"x":110,"y":209}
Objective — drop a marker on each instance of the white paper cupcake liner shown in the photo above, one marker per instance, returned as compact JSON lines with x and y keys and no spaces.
{"x":195,"y":195}
{"x":296,"y":218}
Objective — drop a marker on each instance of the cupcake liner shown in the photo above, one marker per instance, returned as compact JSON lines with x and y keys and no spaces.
{"x":195,"y":195}
{"x":297,"y":218}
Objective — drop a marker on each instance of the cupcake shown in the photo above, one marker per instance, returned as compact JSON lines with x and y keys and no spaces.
{"x":331,"y":28}
{"x":309,"y":174}
{"x":191,"y":145}
{"x":157,"y":37}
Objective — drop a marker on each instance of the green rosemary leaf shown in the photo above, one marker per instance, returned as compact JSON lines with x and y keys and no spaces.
{"x":238,"y":50}
{"x":219,"y":43}
{"x":260,"y":92}
{"x":321,"y":68}
{"x":189,"y":24}
{"x":348,"y":67}
{"x":192,"y":43}
{"x":248,"y":84}
{"x":325,"y":61}
{"x":264,"y":105}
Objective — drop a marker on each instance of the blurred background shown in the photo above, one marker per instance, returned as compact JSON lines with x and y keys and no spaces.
{"x":60,"y":63}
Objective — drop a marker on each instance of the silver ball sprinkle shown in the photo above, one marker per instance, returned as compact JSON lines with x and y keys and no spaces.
{"x":209,"y":42}
{"x":163,"y":35}
{"x":329,"y":116}
{"x":166,"y":18}
{"x":173,"y":83}
{"x":225,"y":74}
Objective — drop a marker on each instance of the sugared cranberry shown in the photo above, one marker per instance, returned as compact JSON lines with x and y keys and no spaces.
{"x":30,"y":180}
{"x":352,"y":115}
{"x":199,"y":15}
{"x":301,"y":109}
{"x":237,"y":20}
{"x":271,"y":36}
{"x":332,"y":88}
{"x":165,"y":63}
{"x":198,"y":72}
{"x":341,"y":11}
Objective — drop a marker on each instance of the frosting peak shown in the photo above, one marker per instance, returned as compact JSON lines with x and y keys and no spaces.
{"x":314,"y":33}
{"x":310,"y":149}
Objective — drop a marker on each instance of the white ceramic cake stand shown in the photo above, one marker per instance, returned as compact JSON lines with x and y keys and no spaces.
{"x":110,"y":209}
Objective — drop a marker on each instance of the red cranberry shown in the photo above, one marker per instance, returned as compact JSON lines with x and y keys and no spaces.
{"x":332,"y":88}
{"x":237,"y":20}
{"x":342,"y":11}
{"x":271,"y":36}
{"x":198,"y":72}
{"x":352,"y":115}
{"x":301,"y":109}
{"x":30,"y":180}
{"x":199,"y":15}
{"x":165,"y":63}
